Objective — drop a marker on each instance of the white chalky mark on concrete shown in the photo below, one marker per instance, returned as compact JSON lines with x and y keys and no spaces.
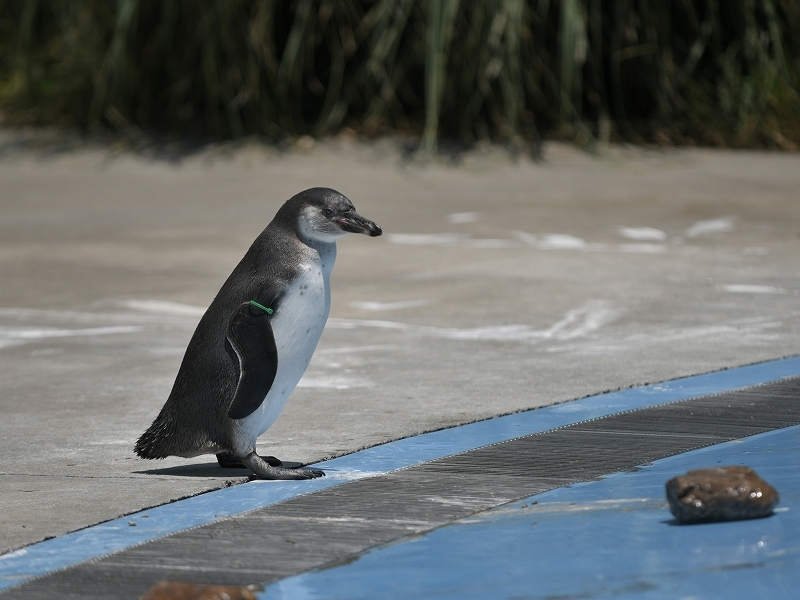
{"x":743,"y":288}
{"x":642,"y":234}
{"x":562,"y":241}
{"x":582,"y":321}
{"x":164,"y":307}
{"x":10,"y":336}
{"x":25,"y":333}
{"x":642,"y":248}
{"x":498,"y":333}
{"x":722,"y":225}
{"x":576,"y":323}
{"x":70,"y":316}
{"x":550,"y":241}
{"x":491,"y":243}
{"x":384,"y":306}
{"x":426,"y":239}
{"x":335,"y":323}
{"x":332,"y":382}
{"x":350,"y":349}
{"x":449,"y":239}
{"x":463,"y":217}
{"x":748,"y":331}
{"x":741,"y":328}
{"x":565,"y":241}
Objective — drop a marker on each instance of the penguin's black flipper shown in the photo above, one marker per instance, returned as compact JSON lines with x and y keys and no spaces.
{"x":251,"y":337}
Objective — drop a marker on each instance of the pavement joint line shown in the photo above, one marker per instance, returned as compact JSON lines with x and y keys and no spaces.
{"x":112,"y":536}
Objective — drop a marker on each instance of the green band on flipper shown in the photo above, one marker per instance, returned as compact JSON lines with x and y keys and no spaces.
{"x":269,"y":311}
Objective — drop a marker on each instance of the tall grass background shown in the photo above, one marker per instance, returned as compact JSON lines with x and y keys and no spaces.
{"x":711,"y":72}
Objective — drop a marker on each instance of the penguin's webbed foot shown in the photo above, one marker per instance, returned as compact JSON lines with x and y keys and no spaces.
{"x":264,"y":470}
{"x":228,"y":460}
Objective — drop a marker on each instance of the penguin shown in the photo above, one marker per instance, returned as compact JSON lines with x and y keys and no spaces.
{"x":256,"y":339}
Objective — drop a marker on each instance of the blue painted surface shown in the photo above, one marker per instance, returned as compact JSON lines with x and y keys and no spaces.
{"x":117,"y":534}
{"x":613,"y":538}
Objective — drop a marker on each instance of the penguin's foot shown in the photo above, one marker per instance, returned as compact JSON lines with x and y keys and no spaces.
{"x":264,"y":470}
{"x":228,"y":460}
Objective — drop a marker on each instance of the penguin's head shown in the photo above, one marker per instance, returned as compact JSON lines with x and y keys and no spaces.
{"x":325,"y":215}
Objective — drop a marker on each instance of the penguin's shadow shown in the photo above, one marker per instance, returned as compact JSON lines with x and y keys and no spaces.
{"x":209,"y":469}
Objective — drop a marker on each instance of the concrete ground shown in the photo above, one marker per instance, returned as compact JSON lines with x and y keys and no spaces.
{"x":499,"y":285}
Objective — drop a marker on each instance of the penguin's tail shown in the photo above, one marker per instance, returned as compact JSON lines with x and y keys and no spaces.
{"x":157,"y":441}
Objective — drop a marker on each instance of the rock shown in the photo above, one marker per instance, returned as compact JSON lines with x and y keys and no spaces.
{"x":176,"y":590}
{"x":720,"y":494}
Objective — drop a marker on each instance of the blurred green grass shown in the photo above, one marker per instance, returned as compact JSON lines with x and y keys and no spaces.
{"x":709,"y":72}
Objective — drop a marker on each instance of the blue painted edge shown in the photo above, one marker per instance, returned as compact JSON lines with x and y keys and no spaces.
{"x":118,"y":534}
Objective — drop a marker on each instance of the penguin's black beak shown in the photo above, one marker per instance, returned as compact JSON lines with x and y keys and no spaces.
{"x":355,"y":223}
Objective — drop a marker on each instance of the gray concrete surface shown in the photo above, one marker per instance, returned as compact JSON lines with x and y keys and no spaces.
{"x":498,"y":286}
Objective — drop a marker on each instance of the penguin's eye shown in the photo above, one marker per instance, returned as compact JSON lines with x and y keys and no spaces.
{"x":328,"y":211}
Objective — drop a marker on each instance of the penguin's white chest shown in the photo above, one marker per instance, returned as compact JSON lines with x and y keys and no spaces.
{"x":297,"y":326}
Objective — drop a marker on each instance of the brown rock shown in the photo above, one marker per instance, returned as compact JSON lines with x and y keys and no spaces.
{"x":176,"y":590}
{"x":720,"y":494}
